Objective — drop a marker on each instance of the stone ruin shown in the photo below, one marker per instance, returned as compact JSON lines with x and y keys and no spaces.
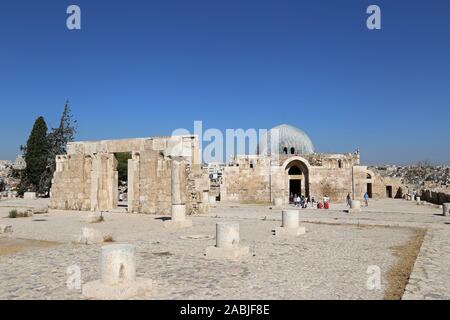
{"x":86,"y":178}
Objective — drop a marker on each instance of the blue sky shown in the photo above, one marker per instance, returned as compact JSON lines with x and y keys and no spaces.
{"x":143,"y":68}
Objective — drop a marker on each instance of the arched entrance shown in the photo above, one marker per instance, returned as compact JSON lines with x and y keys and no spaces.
{"x":298,"y":175}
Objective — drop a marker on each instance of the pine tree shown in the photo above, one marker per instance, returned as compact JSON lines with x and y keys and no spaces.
{"x":58,"y":139}
{"x":36,"y":155}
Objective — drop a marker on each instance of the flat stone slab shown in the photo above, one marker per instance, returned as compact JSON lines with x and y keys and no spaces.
{"x":290,"y":232}
{"x":177,"y":224}
{"x":226,"y":253}
{"x":93,"y":236}
{"x":98,"y":290}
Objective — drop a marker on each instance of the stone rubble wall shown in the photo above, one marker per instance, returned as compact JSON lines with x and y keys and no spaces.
{"x":435,"y":196}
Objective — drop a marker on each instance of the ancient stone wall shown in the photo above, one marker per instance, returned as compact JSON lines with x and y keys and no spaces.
{"x":247,"y":182}
{"x":261,"y":180}
{"x":334,"y":183}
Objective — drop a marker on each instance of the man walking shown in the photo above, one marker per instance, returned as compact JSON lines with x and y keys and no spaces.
{"x":349,"y":201}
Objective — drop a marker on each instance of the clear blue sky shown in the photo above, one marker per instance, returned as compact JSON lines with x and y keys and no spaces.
{"x":143,"y":68}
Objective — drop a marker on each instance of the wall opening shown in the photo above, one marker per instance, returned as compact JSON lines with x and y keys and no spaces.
{"x":388,"y":191}
{"x":122,"y":171}
{"x":292,"y":150}
{"x":369,"y":190}
{"x":295,"y":189}
{"x":294,"y":171}
{"x":298,"y":177}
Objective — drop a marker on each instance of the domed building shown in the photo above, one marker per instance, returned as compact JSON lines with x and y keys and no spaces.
{"x":289,"y":139}
{"x":286,"y":166}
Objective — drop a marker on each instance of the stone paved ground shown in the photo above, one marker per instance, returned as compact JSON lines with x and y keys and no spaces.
{"x":329,"y":262}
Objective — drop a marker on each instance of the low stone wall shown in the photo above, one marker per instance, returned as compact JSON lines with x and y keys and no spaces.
{"x":436,"y":197}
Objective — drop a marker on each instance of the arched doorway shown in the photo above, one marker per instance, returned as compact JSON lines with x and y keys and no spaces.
{"x":298,"y":176}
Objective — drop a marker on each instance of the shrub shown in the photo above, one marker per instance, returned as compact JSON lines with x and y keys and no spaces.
{"x":13,"y":213}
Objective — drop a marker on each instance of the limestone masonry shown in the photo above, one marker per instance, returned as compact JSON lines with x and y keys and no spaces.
{"x":86,"y":178}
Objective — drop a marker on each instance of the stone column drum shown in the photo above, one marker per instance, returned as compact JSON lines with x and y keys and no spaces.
{"x":290,"y":224}
{"x":212,"y":200}
{"x":227,"y":234}
{"x":446,"y":209}
{"x":118,"y":264}
{"x":355,"y":206}
{"x":227,"y":242}
{"x":118,"y":275}
{"x":205,"y":196}
{"x":290,"y":219}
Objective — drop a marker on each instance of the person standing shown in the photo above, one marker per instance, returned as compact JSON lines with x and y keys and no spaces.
{"x":366,"y":198}
{"x":349,"y":200}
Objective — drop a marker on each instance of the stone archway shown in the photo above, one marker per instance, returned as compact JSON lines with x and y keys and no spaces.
{"x":297,"y":172}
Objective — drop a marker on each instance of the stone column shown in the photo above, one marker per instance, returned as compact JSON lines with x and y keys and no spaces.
{"x":446,"y":209}
{"x":290,"y":219}
{"x":212,"y":200}
{"x":204,"y":205}
{"x":176,"y":181}
{"x":118,"y":275}
{"x":355,"y":206}
{"x":227,"y":234}
{"x":290,"y":224}
{"x":178,"y":198}
{"x":118,"y":264}
{"x":205,"y":196}
{"x":227,"y":242}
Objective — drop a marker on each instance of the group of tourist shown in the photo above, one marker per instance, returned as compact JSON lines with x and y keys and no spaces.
{"x":305,"y":202}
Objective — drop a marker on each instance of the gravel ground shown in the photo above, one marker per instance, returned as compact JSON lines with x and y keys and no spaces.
{"x":329,"y":262}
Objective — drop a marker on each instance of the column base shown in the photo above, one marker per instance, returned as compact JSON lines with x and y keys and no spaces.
{"x":100,"y":291}
{"x":226,"y":253}
{"x":290,"y":232}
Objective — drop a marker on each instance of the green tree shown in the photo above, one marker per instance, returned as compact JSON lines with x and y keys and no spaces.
{"x":36,"y":155}
{"x":58,"y":139}
{"x":122,"y":165}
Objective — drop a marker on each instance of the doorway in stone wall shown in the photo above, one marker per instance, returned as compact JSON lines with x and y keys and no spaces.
{"x":295,"y":188}
{"x":369,"y":190}
{"x":122,"y":187}
{"x":388,"y":191}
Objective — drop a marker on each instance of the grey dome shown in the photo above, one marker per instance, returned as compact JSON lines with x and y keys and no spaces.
{"x":291,"y":141}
